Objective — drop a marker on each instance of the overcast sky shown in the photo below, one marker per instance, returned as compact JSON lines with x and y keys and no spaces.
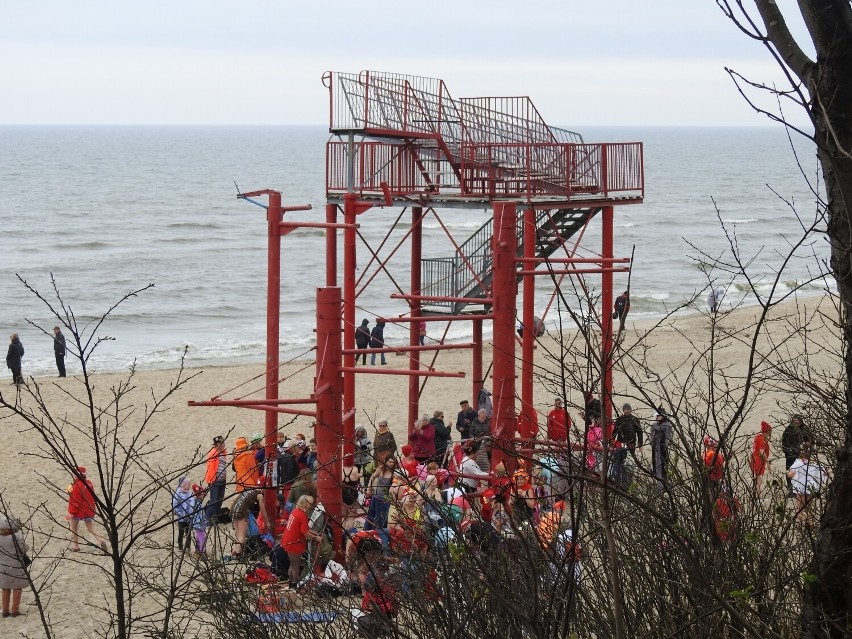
{"x":583,"y":62}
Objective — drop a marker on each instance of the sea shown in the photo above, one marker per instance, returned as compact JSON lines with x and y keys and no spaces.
{"x":99,"y":212}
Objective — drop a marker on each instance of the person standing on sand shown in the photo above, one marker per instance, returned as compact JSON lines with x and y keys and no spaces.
{"x":791,"y":443}
{"x":13,"y":358}
{"x":217,"y":465}
{"x":759,"y":460}
{"x":13,"y":578}
{"x":81,"y":507}
{"x":377,"y":340}
{"x":384,"y":444}
{"x":362,"y":340}
{"x":59,"y":350}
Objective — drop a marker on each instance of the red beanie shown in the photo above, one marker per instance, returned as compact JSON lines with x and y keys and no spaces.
{"x":406,"y":450}
{"x":765,"y":427}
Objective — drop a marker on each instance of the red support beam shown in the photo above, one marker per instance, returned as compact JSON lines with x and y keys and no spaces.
{"x":442,"y":298}
{"x":438,"y":318}
{"x":274,"y":213}
{"x":504,"y":291}
{"x":476,"y":368}
{"x":400,"y":371}
{"x":329,"y":426}
{"x":528,"y":418}
{"x":585,"y":271}
{"x":406,"y":349}
{"x":606,"y":313}
{"x":331,"y":245}
{"x":350,"y":211}
{"x":414,"y":305}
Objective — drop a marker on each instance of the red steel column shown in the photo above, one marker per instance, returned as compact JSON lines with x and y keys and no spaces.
{"x":350,"y":201}
{"x":274,"y":215}
{"x":476,"y":369}
{"x":414,"y":327}
{"x":606,"y":313}
{"x":528,"y":415}
{"x":504,"y":292}
{"x":328,"y":429}
{"x":331,"y":246}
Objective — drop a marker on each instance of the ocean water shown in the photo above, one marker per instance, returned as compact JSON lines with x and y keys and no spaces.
{"x":108,"y":210}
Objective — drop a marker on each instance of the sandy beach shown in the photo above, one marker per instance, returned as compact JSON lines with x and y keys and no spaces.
{"x":180,"y":433}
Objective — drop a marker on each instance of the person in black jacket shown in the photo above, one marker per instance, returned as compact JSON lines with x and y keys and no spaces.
{"x":443,"y":435}
{"x":13,"y":358}
{"x":288,"y":467}
{"x":791,"y":443}
{"x":377,"y":340}
{"x":362,"y":340}
{"x":59,"y":350}
{"x":465,"y":418}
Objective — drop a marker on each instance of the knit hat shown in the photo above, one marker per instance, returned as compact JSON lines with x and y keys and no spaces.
{"x":406,"y":450}
{"x":765,"y":427}
{"x":626,"y":406}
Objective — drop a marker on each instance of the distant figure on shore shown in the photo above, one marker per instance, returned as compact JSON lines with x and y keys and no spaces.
{"x":714,"y":298}
{"x":362,"y":340}
{"x":377,"y":340}
{"x":13,"y":358}
{"x":13,"y":579}
{"x":81,"y":507}
{"x":621,"y":307}
{"x":59,"y":350}
{"x":422,"y":333}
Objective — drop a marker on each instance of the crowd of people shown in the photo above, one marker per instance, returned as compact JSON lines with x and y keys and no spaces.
{"x":418,"y":497}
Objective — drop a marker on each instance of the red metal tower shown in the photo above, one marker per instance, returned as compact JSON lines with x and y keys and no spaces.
{"x":404,"y":141}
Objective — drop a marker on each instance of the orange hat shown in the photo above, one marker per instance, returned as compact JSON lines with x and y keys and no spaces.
{"x":241,"y":442}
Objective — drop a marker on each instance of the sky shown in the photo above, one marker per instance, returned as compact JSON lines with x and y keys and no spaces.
{"x":260,"y":62}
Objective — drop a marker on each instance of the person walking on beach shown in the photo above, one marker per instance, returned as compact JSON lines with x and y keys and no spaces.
{"x":377,"y":340}
{"x":362,"y":340}
{"x":81,"y":507}
{"x":13,"y":578}
{"x":59,"y":350}
{"x":621,"y":307}
{"x":791,"y":443}
{"x":13,"y":358}
{"x":217,"y":465}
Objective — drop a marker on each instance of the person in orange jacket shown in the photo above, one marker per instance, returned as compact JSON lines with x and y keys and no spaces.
{"x":244,"y":465}
{"x":81,"y":507}
{"x":215,"y":477}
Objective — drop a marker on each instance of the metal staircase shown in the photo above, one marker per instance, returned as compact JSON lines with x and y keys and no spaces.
{"x":468,"y":273}
{"x":415,"y":138}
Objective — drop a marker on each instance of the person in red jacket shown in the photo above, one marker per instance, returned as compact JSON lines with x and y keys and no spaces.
{"x":81,"y":507}
{"x":294,"y":541}
{"x":558,"y":422}
{"x":759,"y":460}
{"x":422,"y":440}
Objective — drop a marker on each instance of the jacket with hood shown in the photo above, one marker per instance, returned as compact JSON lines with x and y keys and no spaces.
{"x":244,"y":465}
{"x":363,"y":447}
{"x":81,"y":499}
{"x":362,"y":335}
{"x":15,"y":353}
{"x":185,"y":505}
{"x":216,"y":466}
{"x":443,"y":434}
